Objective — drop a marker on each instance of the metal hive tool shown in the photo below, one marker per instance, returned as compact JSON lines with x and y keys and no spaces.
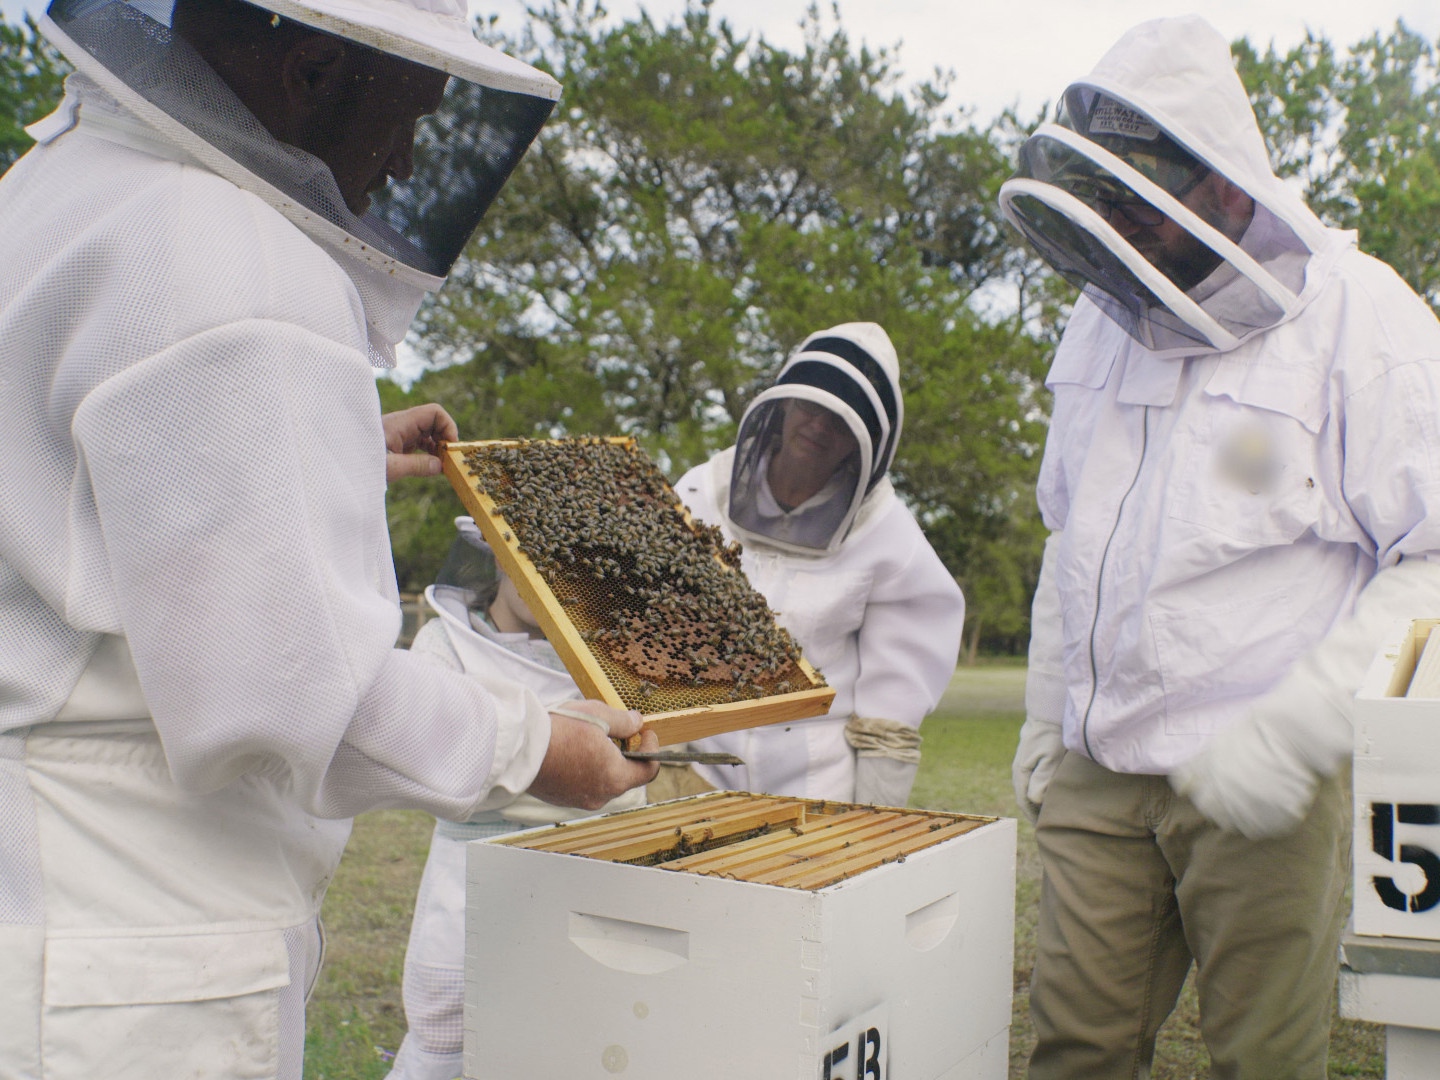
{"x":647,"y":609}
{"x":764,"y":839}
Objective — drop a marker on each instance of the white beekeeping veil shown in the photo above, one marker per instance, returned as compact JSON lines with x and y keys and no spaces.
{"x":838,"y":397}
{"x":1131,"y":154}
{"x":397,"y":242}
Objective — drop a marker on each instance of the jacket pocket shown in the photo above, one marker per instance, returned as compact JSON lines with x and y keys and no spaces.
{"x":822,"y":610}
{"x":153,"y":969}
{"x":143,"y":1006}
{"x":1254,"y":470}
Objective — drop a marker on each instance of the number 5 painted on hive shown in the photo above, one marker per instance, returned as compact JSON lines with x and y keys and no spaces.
{"x":1382,"y":839}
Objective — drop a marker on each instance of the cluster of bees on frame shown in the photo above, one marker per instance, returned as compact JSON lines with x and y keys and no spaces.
{"x":662,"y":597}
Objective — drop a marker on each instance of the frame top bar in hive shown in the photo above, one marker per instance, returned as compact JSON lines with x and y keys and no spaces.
{"x":647,"y":609}
{"x":764,"y":839}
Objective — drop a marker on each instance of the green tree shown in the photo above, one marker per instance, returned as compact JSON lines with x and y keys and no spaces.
{"x":31,"y":75}
{"x":1361,"y":132}
{"x":697,"y":205}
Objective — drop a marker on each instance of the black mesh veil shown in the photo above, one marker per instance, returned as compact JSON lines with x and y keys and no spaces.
{"x":464,"y":151}
{"x":1150,"y":231}
{"x":820,"y":522}
{"x":470,"y":565}
{"x":1101,"y":274}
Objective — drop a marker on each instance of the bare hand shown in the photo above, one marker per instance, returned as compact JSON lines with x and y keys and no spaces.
{"x":583,"y":768}
{"x":412,"y":440}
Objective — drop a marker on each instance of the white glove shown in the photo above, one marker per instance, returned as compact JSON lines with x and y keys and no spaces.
{"x":887,"y":756}
{"x":883,"y":781}
{"x":1036,"y":759}
{"x":1258,"y":777}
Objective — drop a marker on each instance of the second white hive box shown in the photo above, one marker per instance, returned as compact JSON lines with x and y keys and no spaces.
{"x":581,"y":967}
{"x":1397,"y":789}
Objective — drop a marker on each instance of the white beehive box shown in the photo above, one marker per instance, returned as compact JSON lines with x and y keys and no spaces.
{"x":1397,"y":788}
{"x":581,"y":967}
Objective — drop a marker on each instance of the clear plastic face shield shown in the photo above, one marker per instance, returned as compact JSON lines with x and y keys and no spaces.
{"x":395,"y":165}
{"x":801,"y":470}
{"x":1147,"y":231}
{"x":470,"y":567}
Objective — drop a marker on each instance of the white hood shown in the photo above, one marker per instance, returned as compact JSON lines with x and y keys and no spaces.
{"x":1177,"y":74}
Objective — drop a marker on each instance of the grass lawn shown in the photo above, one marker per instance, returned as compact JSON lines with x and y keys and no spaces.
{"x":355,"y":1018}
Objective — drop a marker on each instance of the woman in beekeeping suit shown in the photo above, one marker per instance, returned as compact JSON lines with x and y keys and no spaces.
{"x":234,"y":212}
{"x":844,"y":564}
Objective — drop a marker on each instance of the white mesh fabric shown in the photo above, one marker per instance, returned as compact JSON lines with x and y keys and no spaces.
{"x":21,"y":890}
{"x":434,"y":982}
{"x":415,"y":1063}
{"x":435,"y":1006}
{"x":305,"y":947}
{"x":39,"y":665}
{"x":195,"y":461}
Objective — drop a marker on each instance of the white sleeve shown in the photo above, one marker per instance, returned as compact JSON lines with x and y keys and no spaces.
{"x":1040,"y":747}
{"x":1045,"y":674}
{"x":238,"y":479}
{"x":909,"y":640}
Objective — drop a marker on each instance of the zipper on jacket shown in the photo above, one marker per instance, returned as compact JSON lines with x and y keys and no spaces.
{"x":1100,"y":583}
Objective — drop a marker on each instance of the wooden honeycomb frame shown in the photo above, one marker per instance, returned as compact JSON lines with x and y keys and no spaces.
{"x":672,"y":726}
{"x":764,"y":839}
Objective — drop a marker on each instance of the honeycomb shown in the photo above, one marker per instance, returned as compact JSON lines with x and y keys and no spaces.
{"x":656,"y":601}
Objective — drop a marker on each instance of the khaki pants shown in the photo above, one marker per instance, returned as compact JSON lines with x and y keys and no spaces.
{"x":1137,"y":884}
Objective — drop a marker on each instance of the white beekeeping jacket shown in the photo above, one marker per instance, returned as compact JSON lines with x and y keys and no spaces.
{"x":196,"y":464}
{"x":1221,"y":505}
{"x":881,"y":617}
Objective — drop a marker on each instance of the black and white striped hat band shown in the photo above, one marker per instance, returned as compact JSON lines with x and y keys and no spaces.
{"x":847,"y":382}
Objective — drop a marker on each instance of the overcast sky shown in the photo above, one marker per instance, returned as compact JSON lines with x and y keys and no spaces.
{"x":1026,"y":51}
{"x":1008,"y":51}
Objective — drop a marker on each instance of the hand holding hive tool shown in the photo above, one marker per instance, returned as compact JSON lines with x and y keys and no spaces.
{"x":704,"y":757}
{"x":648,"y":610}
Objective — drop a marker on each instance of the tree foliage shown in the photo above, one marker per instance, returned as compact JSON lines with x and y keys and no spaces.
{"x":1361,"y":133}
{"x":31,"y":74}
{"x":698,"y":204}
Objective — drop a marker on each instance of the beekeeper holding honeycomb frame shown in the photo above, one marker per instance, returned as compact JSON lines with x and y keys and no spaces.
{"x":235,"y":210}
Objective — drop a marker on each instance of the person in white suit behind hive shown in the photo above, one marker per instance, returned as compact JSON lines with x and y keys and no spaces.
{"x":484,"y":628}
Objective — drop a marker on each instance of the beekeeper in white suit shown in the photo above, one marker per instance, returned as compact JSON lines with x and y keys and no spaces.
{"x":484,"y":628}
{"x":225,"y":221}
{"x":1242,"y":481}
{"x":842,"y":561}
